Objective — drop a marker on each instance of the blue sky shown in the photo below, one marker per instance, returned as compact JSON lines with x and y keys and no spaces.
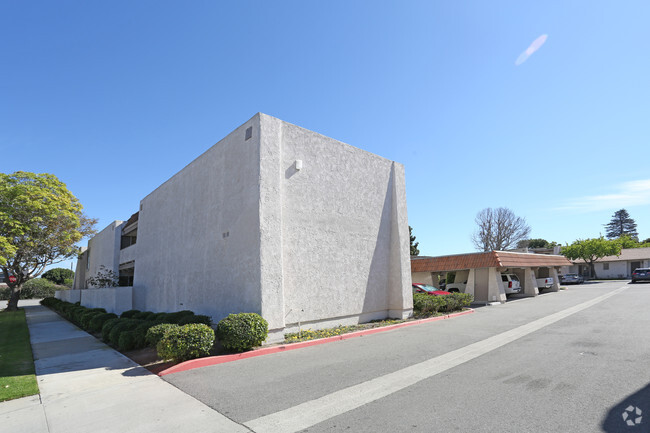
{"x":116,"y":97}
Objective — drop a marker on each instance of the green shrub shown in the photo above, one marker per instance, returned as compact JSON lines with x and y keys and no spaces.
{"x":186,"y":342}
{"x":5,"y":293}
{"x":156,"y":332}
{"x":424,"y":304}
{"x":122,"y":326}
{"x":195,"y":318}
{"x":428,"y":304}
{"x":107,"y":327}
{"x":463,"y":299}
{"x":126,"y":341}
{"x":159,"y":318}
{"x":140,"y":334}
{"x":242,"y":331}
{"x":76,"y":312}
{"x":97,"y":322}
{"x":66,"y":309}
{"x":452,"y":303}
{"x":38,"y":288}
{"x":178,"y":316}
{"x":51,"y":302}
{"x":144,"y":315}
{"x":88,"y":316}
{"x":128,"y":314}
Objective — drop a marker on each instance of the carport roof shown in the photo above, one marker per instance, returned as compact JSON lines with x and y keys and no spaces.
{"x":492,"y":259}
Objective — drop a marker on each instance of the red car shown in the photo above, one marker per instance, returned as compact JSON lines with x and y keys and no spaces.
{"x":429,"y":290}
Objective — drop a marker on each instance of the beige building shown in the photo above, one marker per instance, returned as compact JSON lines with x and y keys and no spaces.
{"x":273,"y":219}
{"x":620,"y":266}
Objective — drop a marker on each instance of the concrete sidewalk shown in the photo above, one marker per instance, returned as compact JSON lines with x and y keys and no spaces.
{"x":85,"y":386}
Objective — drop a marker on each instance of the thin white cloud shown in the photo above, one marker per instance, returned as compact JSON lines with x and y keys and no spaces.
{"x":536,"y":45}
{"x":627,"y":194}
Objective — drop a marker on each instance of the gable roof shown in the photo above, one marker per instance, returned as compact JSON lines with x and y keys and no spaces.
{"x":492,"y":259}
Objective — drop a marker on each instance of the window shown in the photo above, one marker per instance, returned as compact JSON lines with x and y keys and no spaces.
{"x":605,"y":266}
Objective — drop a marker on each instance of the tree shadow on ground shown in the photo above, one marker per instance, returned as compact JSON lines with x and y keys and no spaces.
{"x":632,"y":414}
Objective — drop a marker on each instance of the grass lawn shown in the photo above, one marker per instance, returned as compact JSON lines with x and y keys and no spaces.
{"x":17,"y":378}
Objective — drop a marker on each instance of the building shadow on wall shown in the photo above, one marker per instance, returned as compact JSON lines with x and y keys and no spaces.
{"x":632,"y":414}
{"x":380,"y":265}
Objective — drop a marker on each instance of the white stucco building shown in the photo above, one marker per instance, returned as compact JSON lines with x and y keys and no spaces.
{"x":273,"y":219}
{"x":620,"y":266}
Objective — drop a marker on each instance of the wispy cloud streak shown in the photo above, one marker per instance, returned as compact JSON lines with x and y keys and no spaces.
{"x":536,"y":45}
{"x":628,"y":194}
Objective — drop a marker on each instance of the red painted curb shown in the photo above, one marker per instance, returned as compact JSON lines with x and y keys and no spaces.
{"x":222,"y":359}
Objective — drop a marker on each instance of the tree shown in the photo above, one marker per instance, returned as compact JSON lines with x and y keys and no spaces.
{"x":621,"y":225}
{"x":535,"y":243}
{"x":40,"y":223}
{"x":414,"y":245}
{"x":104,"y":278}
{"x":627,"y":242}
{"x":499,"y":229}
{"x":591,"y":250}
{"x":58,"y":275}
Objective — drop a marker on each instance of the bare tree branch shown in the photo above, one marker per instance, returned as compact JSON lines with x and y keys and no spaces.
{"x":499,"y":229}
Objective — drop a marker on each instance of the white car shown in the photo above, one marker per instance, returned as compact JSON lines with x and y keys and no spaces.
{"x":511,"y":283}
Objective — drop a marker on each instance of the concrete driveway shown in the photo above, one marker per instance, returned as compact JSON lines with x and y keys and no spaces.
{"x":577,"y":360}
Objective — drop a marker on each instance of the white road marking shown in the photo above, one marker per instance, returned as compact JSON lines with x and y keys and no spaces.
{"x":321,"y":409}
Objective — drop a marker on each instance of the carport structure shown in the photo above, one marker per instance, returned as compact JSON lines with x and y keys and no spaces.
{"x":482,"y":271}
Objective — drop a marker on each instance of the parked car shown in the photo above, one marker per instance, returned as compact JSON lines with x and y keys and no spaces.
{"x":429,"y":290}
{"x":511,"y":283}
{"x":544,"y":283}
{"x":641,"y":274}
{"x":571,"y":279}
{"x":456,"y":287}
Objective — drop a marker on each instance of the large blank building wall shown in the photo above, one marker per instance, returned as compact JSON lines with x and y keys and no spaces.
{"x":344,"y":229}
{"x":103,"y":250}
{"x":198,"y":234}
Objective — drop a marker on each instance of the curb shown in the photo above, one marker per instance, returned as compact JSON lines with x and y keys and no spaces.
{"x":222,"y":359}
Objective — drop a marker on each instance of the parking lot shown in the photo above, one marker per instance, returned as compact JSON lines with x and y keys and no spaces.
{"x":569,"y":360}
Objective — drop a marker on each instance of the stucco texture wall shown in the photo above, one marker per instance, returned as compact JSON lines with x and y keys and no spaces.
{"x":104,"y":250}
{"x":240,"y":229}
{"x":198,"y":234}
{"x":344,"y":231}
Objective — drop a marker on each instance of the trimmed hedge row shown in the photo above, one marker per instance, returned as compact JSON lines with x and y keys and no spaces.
{"x":180,"y":336}
{"x":428,"y":304}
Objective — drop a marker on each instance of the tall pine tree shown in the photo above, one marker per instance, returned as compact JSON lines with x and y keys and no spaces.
{"x":621,"y":225}
{"x":414,"y":245}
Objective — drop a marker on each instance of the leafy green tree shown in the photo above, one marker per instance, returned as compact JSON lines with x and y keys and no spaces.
{"x":628,"y":242}
{"x":535,"y":243}
{"x":40,"y":223}
{"x":621,"y":225}
{"x":414,"y":245}
{"x":58,"y":275}
{"x":591,"y":250}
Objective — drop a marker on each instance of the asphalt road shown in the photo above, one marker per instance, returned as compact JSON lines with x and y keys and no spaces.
{"x":571,"y":361}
